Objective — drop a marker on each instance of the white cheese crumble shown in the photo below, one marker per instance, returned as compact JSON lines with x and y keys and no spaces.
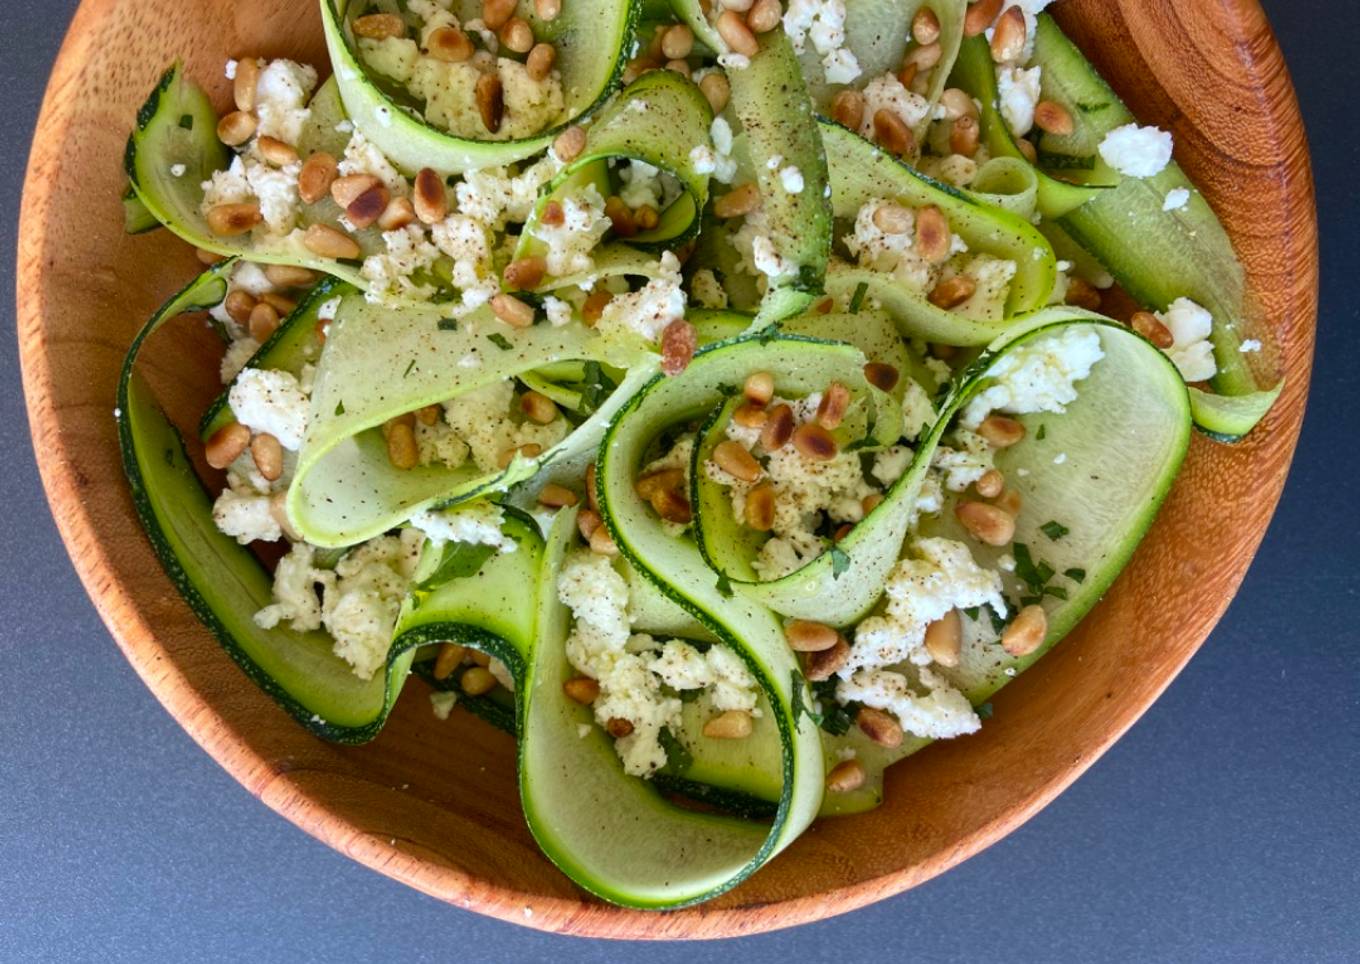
{"x":885,"y":92}
{"x":483,"y":419}
{"x":1249,"y":346}
{"x":1190,"y":325}
{"x":1037,"y":376}
{"x":822,"y":21}
{"x":1137,"y":151}
{"x":1176,"y":199}
{"x":582,"y":227}
{"x":1017,"y":96}
{"x":475,"y":523}
{"x":442,"y":703}
{"x":281,"y":97}
{"x":266,"y":400}
{"x":791,"y":180}
{"x":651,"y":308}
{"x":361,"y":611}
{"x":706,"y":291}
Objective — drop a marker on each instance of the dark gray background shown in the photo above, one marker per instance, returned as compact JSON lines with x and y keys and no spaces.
{"x":1221,"y":828}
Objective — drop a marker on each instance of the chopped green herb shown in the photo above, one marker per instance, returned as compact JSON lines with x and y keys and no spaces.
{"x":678,"y":757}
{"x":459,"y":560}
{"x":410,"y":365}
{"x":1076,"y":575}
{"x":1054,"y":530}
{"x":1057,"y":592}
{"x":857,"y":298}
{"x":800,"y":709}
{"x":724,"y":585}
{"x":448,"y":324}
{"x":984,"y":711}
{"x":840,"y":562}
{"x":836,"y":719}
{"x":1034,"y":575}
{"x":1043,"y":431}
{"x":186,"y":121}
{"x":595,"y":388}
{"x":500,"y":341}
{"x":998,"y":621}
{"x":972,"y":612}
{"x":339,"y":408}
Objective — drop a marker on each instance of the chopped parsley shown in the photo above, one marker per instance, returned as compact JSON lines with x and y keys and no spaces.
{"x":339,"y":408}
{"x":835,"y":718}
{"x":724,"y":585}
{"x":500,"y":341}
{"x":984,"y":711}
{"x":1076,"y":575}
{"x":447,"y":324}
{"x":840,"y":562}
{"x":678,"y":757}
{"x":1043,"y":431}
{"x":459,"y":560}
{"x":1054,"y":530}
{"x":410,"y":365}
{"x":186,"y":121}
{"x":857,"y":299}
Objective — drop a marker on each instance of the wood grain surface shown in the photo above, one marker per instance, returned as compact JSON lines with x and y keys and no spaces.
{"x":434,"y":804}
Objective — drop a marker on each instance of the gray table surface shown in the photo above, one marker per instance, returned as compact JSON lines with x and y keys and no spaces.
{"x":1221,"y":828}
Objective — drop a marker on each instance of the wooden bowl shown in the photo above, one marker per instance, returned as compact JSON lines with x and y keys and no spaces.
{"x":434,"y":804}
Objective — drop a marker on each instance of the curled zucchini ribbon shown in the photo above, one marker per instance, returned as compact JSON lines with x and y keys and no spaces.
{"x":1156,"y":255}
{"x":591,"y":39}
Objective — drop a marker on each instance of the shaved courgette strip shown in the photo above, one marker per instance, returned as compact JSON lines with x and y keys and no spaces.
{"x":975,"y":72}
{"x":861,"y":173}
{"x":591,"y":39}
{"x":346,"y":490}
{"x":1156,"y":255}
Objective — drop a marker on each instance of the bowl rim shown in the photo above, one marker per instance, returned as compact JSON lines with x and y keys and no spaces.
{"x":288,"y":794}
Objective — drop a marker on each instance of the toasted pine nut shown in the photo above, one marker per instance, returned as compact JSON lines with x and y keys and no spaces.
{"x":618,"y":727}
{"x":496,"y":12}
{"x":207,"y":257}
{"x":749,"y":415}
{"x":540,"y":61}
{"x":671,"y":505}
{"x":924,"y":57}
{"x":267,"y":454}
{"x":226,"y":444}
{"x":230,"y":220}
{"x":429,"y":198}
{"x":953,"y":292}
{"x":264,"y":321}
{"x":402,"y":450}
{"x":525,"y":274}
{"x":477,"y":681}
{"x":678,"y":343}
{"x":646,"y":217}
{"x":1009,"y":501}
{"x":582,"y":689}
{"x":871,"y":502}
{"x":316,"y":177}
{"x":892,"y":133}
{"x":733,"y":458}
{"x":512,"y":311}
{"x":654,"y":482}
{"x":1001,"y":431}
{"x":964,"y":135}
{"x":677,"y":42}
{"x":1150,"y":327}
{"x":846,"y":777}
{"x":450,"y":45}
{"x":490,"y":96}
{"x":847,"y":109}
{"x":236,"y":128}
{"x":587,"y":521}
{"x":1027,"y":149}
{"x":570,"y":143}
{"x":778,"y":428}
{"x":348,"y":189}
{"x":245,"y":83}
{"x":734,"y":32}
{"x":958,"y":103}
{"x":1026,"y":632}
{"x":594,"y":306}
{"x":1008,"y":38}
{"x":400,"y":212}
{"x":517,"y":35}
{"x":478,"y":658}
{"x":620,"y":216}
{"x":805,"y":636}
{"x":428,"y":414}
{"x":833,"y":406}
{"x":602,"y":543}
{"x":944,"y":639}
{"x":893,"y":219}
{"x":986,"y":523}
{"x":1053,"y":118}
{"x":448,"y":659}
{"x":882,"y":376}
{"x":239,"y":304}
{"x":925,"y":26}
{"x":280,"y":303}
{"x":980,"y":16}
{"x":759,"y":388}
{"x":364,"y":210}
{"x":826,"y":663}
{"x":738,"y":202}
{"x":879,"y":726}
{"x":932,"y":234}
{"x":547,"y":10}
{"x":992,"y":484}
{"x":380,"y":26}
{"x":530,"y":450}
{"x":760,"y":507}
{"x":554,"y":496}
{"x":729,"y":725}
{"x":289,"y":275}
{"x":538,"y":408}
{"x":1083,"y":294}
{"x":552,"y":214}
{"x":814,"y":442}
{"x":275,"y":151}
{"x":764,"y":16}
{"x":716,"y":88}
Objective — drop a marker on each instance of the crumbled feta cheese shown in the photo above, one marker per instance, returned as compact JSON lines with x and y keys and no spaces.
{"x":295,"y":600}
{"x":919,"y":591}
{"x":265,"y":400}
{"x":1249,"y":346}
{"x":918,"y":412}
{"x":1190,"y":325}
{"x":362,"y":157}
{"x":245,"y":515}
{"x":230,"y":70}
{"x":885,"y":92}
{"x":651,"y":308}
{"x":475,"y":523}
{"x":178,"y":170}
{"x":502,"y":674}
{"x":891,"y":463}
{"x":482,"y":418}
{"x":361,"y":610}
{"x":1137,"y":151}
{"x":941,"y":712}
{"x":965,"y":461}
{"x":391,"y":275}
{"x":442,"y":703}
{"x":1017,"y":96}
{"x":557,"y":310}
{"x":468,"y":243}
{"x":1176,"y":198}
{"x":571,"y":241}
{"x":281,"y":96}
{"x":706,"y":291}
{"x":823,"y":21}
{"x":1037,"y":376}
{"x":791,"y":180}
